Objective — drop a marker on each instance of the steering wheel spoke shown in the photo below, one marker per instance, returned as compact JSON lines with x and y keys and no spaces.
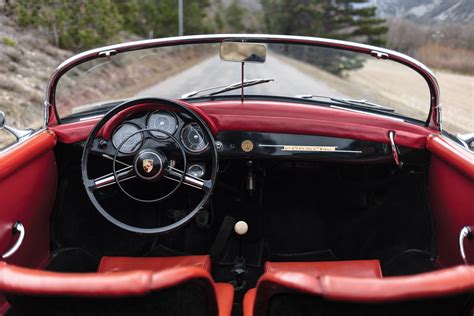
{"x":175,"y":174}
{"x":123,"y":174}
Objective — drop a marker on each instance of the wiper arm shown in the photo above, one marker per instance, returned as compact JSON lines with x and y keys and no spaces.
{"x":225,"y":88}
{"x":352,"y":102}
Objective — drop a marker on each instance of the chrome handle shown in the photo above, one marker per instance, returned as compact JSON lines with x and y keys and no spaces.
{"x":17,"y":228}
{"x":395,"y":151}
{"x":466,"y":232}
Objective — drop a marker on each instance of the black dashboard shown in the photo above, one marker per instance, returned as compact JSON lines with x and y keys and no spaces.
{"x":260,"y":145}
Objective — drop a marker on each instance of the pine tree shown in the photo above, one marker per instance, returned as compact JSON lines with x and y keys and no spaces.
{"x":337,"y":19}
{"x":341,"y":19}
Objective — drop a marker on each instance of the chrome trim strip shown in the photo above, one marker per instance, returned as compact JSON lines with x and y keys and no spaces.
{"x":90,"y":118}
{"x":425,"y":72}
{"x":315,"y":151}
{"x":17,"y":228}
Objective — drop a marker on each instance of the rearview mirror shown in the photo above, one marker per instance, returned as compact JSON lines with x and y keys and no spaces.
{"x":243,"y":52}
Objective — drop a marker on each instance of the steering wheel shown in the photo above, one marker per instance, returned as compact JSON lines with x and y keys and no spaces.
{"x":150,"y":164}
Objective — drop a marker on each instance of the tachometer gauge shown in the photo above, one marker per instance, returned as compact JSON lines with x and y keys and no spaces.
{"x":122,"y":133}
{"x":193,"y":138}
{"x":162,"y":120}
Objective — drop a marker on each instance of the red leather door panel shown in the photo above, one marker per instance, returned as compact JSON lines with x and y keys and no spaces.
{"x":28,"y":183}
{"x":451,"y":188}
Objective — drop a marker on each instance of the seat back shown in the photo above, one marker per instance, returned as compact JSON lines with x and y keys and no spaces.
{"x":178,"y":291}
{"x":443,"y":292}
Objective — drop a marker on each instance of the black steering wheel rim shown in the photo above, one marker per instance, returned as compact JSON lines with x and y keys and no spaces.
{"x":87,"y":181}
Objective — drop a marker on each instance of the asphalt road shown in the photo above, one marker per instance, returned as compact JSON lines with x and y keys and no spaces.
{"x":289,"y":81}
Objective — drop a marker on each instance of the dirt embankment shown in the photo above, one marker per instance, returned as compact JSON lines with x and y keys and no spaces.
{"x":26,"y":61}
{"x":122,"y":76}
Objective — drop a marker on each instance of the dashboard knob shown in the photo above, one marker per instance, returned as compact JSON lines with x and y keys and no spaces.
{"x":241,"y":228}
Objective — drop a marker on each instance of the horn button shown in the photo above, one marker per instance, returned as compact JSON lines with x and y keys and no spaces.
{"x":149,"y":165}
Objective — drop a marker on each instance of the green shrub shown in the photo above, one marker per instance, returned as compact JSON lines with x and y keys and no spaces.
{"x":8,"y":42}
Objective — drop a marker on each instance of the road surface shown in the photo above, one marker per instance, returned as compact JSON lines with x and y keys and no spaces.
{"x":289,"y":81}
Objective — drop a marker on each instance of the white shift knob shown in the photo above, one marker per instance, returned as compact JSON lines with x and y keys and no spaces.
{"x":241,"y":228}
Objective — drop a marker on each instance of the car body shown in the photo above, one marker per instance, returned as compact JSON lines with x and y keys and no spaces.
{"x":355,"y":207}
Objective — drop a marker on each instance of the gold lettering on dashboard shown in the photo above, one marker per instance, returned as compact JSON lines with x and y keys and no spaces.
{"x":308,"y":148}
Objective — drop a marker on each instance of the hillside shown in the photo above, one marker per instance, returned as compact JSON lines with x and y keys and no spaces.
{"x":27,"y":59}
{"x":427,"y":11}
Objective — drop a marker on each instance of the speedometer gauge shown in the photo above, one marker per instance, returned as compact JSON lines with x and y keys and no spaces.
{"x":193,"y":138}
{"x":124,"y":131}
{"x":162,"y":120}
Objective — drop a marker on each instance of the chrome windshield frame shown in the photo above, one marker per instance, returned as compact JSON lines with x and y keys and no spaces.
{"x":433,"y":121}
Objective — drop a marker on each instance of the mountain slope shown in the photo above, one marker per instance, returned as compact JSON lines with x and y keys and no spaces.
{"x":428,"y":11}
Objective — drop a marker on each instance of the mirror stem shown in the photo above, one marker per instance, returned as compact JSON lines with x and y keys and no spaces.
{"x":242,"y":93}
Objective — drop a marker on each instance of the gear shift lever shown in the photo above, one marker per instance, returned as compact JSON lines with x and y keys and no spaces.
{"x":241,"y":228}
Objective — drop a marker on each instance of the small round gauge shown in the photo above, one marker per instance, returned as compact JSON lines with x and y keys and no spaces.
{"x":123,"y":132}
{"x":162,"y":120}
{"x":193,"y":138}
{"x":197,"y":170}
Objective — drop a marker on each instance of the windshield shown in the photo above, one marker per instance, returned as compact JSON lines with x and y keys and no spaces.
{"x":296,"y":70}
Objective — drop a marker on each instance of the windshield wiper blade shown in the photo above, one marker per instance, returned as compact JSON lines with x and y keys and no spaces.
{"x":352,"y":102}
{"x":225,"y":88}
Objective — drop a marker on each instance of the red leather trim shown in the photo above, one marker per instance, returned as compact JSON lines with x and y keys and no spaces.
{"x":453,"y":154}
{"x":451,"y":185}
{"x":452,"y":206}
{"x":225,"y":298}
{"x":282,"y":117}
{"x":353,"y":268}
{"x":19,"y":280}
{"x":249,"y":302}
{"x":23,"y":153}
{"x":440,"y":283}
{"x":28,"y":183}
{"x":114,"y":264}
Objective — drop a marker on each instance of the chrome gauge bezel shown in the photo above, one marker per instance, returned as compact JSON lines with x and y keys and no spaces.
{"x":200,"y":165}
{"x":121,"y":149}
{"x":190,"y":150}
{"x":167,"y":112}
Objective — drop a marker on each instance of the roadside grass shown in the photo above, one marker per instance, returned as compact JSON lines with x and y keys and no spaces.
{"x":437,"y":56}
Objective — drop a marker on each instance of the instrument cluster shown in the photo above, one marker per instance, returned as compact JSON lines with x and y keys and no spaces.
{"x":129,"y":136}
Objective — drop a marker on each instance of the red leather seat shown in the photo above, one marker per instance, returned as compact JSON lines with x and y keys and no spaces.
{"x":173,"y":291}
{"x":354,"y":268}
{"x":443,"y":292}
{"x":114,"y":264}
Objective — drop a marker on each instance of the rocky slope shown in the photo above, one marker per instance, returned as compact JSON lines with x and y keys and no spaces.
{"x":428,"y":11}
{"x":27,"y":59}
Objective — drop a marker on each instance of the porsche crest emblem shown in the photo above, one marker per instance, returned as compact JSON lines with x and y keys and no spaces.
{"x":148,"y":165}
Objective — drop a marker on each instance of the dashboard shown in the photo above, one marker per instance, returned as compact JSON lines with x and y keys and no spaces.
{"x":128,"y":137}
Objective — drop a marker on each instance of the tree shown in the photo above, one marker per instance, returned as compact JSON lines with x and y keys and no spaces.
{"x":74,"y":24}
{"x":234,"y":14}
{"x":342,"y":19}
{"x":339,"y":19}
